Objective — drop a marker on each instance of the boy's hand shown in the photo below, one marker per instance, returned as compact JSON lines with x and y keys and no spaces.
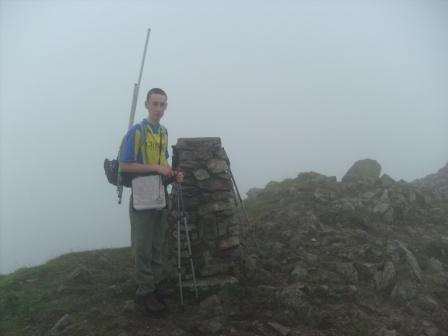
{"x":165,"y":171}
{"x":179,"y":176}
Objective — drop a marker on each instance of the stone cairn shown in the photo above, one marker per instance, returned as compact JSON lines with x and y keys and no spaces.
{"x":209,"y":202}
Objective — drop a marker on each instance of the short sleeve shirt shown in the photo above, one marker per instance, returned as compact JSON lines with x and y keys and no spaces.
{"x":156,"y":142}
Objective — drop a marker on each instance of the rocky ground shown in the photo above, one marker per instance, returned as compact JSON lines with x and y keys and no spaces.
{"x":364,"y":256}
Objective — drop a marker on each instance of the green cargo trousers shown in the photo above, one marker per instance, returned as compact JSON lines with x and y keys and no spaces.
{"x":147,"y":235}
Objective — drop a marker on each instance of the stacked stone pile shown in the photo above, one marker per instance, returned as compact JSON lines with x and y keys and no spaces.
{"x":210,"y":207}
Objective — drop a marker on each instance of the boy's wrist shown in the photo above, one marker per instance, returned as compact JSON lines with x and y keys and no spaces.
{"x":156,"y":168}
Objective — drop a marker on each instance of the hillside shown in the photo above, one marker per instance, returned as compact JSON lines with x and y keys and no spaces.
{"x":367,"y":253}
{"x":364,"y":256}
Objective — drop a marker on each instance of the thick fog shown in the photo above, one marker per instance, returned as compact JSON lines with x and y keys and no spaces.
{"x":289,"y":86}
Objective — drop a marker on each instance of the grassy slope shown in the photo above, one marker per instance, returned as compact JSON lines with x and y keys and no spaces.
{"x":39,"y":296}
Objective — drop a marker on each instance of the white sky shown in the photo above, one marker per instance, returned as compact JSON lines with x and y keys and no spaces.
{"x":289,"y":86}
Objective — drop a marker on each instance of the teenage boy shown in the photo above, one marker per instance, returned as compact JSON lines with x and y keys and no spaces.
{"x":142,"y":156}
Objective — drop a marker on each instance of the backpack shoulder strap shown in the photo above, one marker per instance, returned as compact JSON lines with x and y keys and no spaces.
{"x":164,"y":130}
{"x":143,"y":134}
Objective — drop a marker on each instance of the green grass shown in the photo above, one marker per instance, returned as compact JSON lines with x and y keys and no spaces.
{"x":39,"y":296}
{"x":357,"y":328}
{"x":23,"y":298}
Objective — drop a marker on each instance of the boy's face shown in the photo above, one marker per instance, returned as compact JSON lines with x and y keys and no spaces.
{"x":156,"y":105}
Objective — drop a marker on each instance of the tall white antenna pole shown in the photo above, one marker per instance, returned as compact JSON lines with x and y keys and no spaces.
{"x":133,"y":107}
{"x":137,"y":85}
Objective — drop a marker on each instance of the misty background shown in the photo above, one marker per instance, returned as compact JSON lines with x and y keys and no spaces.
{"x":289,"y":86}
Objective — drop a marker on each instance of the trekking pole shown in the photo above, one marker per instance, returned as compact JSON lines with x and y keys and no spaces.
{"x":134,"y":107}
{"x":242,"y":206}
{"x":184,"y":217}
{"x":179,"y":272}
{"x":238,"y":194}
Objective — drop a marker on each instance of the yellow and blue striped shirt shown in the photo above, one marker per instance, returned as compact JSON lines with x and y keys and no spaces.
{"x":148,"y":152}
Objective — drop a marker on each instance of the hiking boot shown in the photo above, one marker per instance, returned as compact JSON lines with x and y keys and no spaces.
{"x":150,"y":303}
{"x":161,"y":294}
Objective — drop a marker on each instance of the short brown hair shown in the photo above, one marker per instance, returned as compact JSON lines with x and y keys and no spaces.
{"x":156,"y":91}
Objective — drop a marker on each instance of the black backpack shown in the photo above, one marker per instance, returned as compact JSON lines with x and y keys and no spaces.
{"x":111,"y":167}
